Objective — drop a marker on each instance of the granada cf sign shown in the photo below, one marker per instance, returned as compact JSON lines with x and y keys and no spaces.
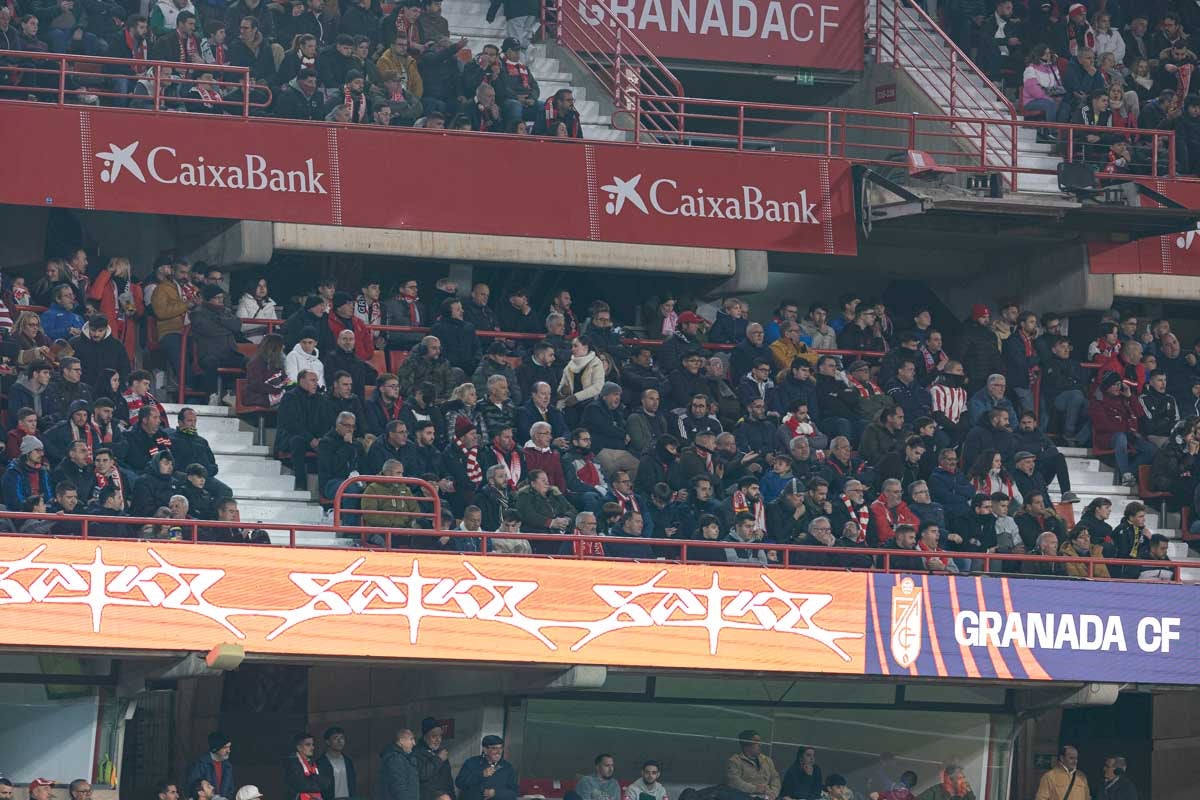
{"x":171,"y":596}
{"x":814,"y":34}
{"x":280,"y":171}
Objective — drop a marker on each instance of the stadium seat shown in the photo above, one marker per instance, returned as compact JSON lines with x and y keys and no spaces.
{"x":261,"y":412}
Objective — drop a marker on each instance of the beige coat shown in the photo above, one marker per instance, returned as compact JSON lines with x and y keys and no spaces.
{"x":743,"y":774}
{"x":1054,"y":784}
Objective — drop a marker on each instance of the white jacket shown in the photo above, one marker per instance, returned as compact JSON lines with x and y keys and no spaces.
{"x":1110,"y":42}
{"x":591,"y":371}
{"x":298,"y":360}
{"x":248,"y":308}
{"x":170,"y":11}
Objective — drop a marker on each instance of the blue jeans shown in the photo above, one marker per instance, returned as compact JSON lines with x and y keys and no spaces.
{"x":1072,"y":405}
{"x":1143,"y":451}
{"x":1025,"y":399}
{"x":512,"y":110}
{"x":1047,"y":107}
{"x":63,"y":41}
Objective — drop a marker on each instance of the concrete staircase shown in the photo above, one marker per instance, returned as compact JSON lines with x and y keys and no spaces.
{"x":925,"y":56}
{"x":1090,"y":478}
{"x":467,"y":18}
{"x":264,"y":493}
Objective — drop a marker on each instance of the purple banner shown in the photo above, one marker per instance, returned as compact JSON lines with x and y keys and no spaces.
{"x":1030,"y":629}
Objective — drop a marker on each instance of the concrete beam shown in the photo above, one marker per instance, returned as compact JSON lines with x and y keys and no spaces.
{"x":750,"y":276}
{"x":240,"y":244}
{"x":1157,"y":287}
{"x":561,"y":253}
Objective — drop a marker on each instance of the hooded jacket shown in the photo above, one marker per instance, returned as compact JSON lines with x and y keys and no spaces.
{"x":398,"y":778}
{"x":24,"y":393}
{"x":95,"y":357}
{"x":298,"y":360}
{"x":58,"y":438}
{"x":21,"y":482}
{"x":153,"y":489}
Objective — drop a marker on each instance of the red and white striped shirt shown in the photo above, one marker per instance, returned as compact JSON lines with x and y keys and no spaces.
{"x":949,"y":400}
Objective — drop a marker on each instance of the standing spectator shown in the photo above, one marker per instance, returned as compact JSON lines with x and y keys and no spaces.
{"x":980,"y":348}
{"x":440,"y":79}
{"x":214,"y":766}
{"x":120,"y":300}
{"x":339,"y":779}
{"x":301,"y":778}
{"x":432,"y":761}
{"x":171,"y":306}
{"x":1114,"y":416}
{"x":1116,"y":785}
{"x":488,"y":776}
{"x":398,"y":779}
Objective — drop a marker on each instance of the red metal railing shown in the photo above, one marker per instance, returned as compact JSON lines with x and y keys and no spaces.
{"x":885,"y":137}
{"x":63,"y":78}
{"x":613,"y":54}
{"x":909,"y":39}
{"x":785,"y":556}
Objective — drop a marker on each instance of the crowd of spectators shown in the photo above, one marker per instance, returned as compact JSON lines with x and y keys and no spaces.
{"x":367,"y":62}
{"x":711,"y":428}
{"x":1126,"y":67}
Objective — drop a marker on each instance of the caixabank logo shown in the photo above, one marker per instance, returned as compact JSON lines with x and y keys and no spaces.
{"x":663,"y":196}
{"x":165,"y":165}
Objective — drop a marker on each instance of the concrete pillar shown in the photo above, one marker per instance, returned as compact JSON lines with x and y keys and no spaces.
{"x":462,"y":275}
{"x":241,"y":244}
{"x":749,"y":275}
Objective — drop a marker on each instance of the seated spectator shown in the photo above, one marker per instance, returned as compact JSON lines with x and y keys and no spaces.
{"x":341,"y":397}
{"x":305,"y":357}
{"x":604,"y":419}
{"x":266,"y":374}
{"x":1114,"y":416}
{"x":582,"y":377}
{"x":543,"y":509}
{"x":459,"y":344}
{"x":27,"y":475}
{"x":883,"y":437}
{"x":788,"y":347}
{"x":30,"y":391}
{"x":993,"y":433}
{"x":201,"y":502}
{"x":494,"y":363}
{"x":426,"y":364}
{"x":988,"y":475}
{"x":343,"y":359}
{"x":189,"y":447}
{"x":64,"y":390}
{"x":744,"y":531}
{"x":109,"y":502}
{"x":1130,"y":538}
{"x":907,"y":464}
{"x":888,"y":511}
{"x":795,"y":385}
{"x":387,"y":504}
{"x":1050,"y":463}
{"x":75,"y":426}
{"x":98,"y":349}
{"x":301,"y":98}
{"x":1064,"y":382}
{"x":466,"y":462}
{"x":1036,"y":517}
{"x":521,"y":91}
{"x":748,"y":350}
{"x":904,"y":541}
{"x":1079,"y":545}
{"x":861,"y":335}
{"x":585,"y":479}
{"x":929,"y":540}
{"x":145,"y":439}
{"x":817,"y":334}
{"x":155,"y":486}
{"x":842,"y":465}
{"x":623,"y":540}
{"x":1156,"y":549}
{"x":253,"y":49}
{"x":1047,"y":545}
{"x":871,"y":399}
{"x":1042,"y":86}
{"x":106,"y":471}
{"x":539,"y":365}
{"x":839,"y":405}
{"x":797,"y":423}
{"x":1126,"y":362}
{"x":729,"y":327}
{"x":337,"y":456}
{"x":75,"y":467}
{"x":26,"y":425}
{"x":906,"y":392}
{"x":688,"y":381}
{"x":1160,"y":408}
{"x":300,"y":425}
{"x":757,"y":383}
{"x":175,"y":39}
{"x":216,"y":332}
{"x":684,"y":340}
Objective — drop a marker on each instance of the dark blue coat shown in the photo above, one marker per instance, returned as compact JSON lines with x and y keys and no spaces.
{"x":471,"y":783}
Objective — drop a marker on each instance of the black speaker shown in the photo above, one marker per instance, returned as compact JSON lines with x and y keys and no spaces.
{"x":1076,"y":176}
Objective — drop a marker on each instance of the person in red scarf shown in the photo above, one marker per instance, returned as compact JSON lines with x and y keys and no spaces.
{"x":746,"y":499}
{"x":467,"y":463}
{"x":521,"y":90}
{"x":352,"y":97}
{"x":505,"y":452}
{"x":133,"y":44}
{"x":300,"y":774}
{"x":181,"y":45}
{"x":1022,"y":359}
{"x":406,"y":309}
{"x":539,"y":455}
{"x":213,"y":49}
{"x":622,"y":493}
{"x":343,"y":318}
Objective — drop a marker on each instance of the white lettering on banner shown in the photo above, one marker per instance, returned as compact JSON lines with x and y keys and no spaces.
{"x":740,"y":19}
{"x":1085,"y":632}
{"x":665,"y":199}
{"x":348,"y":592}
{"x":164,"y":166}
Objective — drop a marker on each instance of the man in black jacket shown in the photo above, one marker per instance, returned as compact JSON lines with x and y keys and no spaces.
{"x":301,"y":776}
{"x":432,"y":760}
{"x":1064,"y":389}
{"x":299,"y":424}
{"x":398,"y":778}
{"x":838,"y":403}
{"x":605,"y":420}
{"x":189,"y":447}
{"x":337,"y":455}
{"x":460,"y":345}
{"x":300,"y":98}
{"x":216,"y":332}
{"x":253,"y":50}
{"x":146,"y":439}
{"x":64,"y":391}
{"x":97,"y":349}
{"x":980,"y":348}
{"x":335,"y":767}
{"x":905,"y":542}
{"x":439,"y":75}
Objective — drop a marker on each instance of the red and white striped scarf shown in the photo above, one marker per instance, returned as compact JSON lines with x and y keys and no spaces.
{"x":862,"y":516}
{"x":474,"y":471}
{"x":864,"y":390}
{"x":628,"y":502}
{"x":511,"y":460}
{"x":310,"y":771}
{"x":414,"y":311}
{"x":519,"y":71}
{"x":139,"y":51}
{"x":357,"y":106}
{"x":741,"y":505}
{"x":186,"y":47}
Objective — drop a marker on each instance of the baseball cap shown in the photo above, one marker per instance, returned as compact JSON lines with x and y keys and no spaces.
{"x":248,"y":792}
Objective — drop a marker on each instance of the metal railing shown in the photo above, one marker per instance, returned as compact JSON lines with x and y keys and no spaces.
{"x":619,"y":61}
{"x":685,"y":551}
{"x":886,"y":137}
{"x":64,"y":78}
{"x":909,"y":39}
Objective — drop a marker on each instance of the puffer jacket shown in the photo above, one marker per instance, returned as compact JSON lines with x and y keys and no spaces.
{"x":298,"y":360}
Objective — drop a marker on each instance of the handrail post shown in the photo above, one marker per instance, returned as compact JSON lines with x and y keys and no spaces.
{"x":1154,"y":155}
{"x":181,"y":378}
{"x":618,"y":71}
{"x":246,"y":95}
{"x":829,"y":134}
{"x":953,"y":76}
{"x":158,"y":107}
{"x":1171,"y":155}
{"x":62,"y":81}
{"x":741,"y":135}
{"x":896,"y":34}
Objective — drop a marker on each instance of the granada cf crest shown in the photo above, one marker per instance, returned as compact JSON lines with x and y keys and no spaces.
{"x":906,"y":622}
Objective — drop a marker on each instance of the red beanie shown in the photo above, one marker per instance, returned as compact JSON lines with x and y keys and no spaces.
{"x":979,"y":311}
{"x":462,"y":427}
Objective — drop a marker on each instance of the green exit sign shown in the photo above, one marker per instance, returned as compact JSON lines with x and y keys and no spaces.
{"x":806,"y":79}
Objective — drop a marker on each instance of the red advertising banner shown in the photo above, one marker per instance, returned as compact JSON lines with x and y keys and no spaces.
{"x":1173,"y":254}
{"x":451,"y":181}
{"x":783,"y":33}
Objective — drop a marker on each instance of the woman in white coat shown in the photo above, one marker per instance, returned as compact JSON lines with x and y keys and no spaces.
{"x":581,"y":379}
{"x":256,"y":303}
{"x":305,"y":356}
